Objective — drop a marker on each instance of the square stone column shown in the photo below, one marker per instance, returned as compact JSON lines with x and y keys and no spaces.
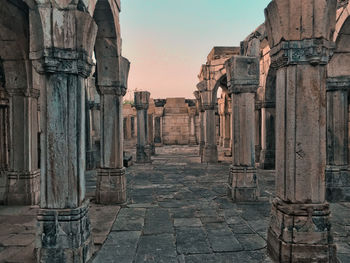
{"x":299,"y":34}
{"x":143,"y":149}
{"x":337,"y":169}
{"x":23,"y":174}
{"x":243,"y":81}
{"x":268,"y":119}
{"x":158,"y":126}
{"x":257,"y":127}
{"x":210,"y":151}
{"x":200,"y":110}
{"x":192,"y":113}
{"x":227,"y":130}
{"x":63,"y":227}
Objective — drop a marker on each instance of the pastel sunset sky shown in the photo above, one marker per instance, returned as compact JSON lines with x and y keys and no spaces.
{"x":167,"y":41}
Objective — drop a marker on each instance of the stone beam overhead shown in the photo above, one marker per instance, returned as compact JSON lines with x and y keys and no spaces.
{"x":300,"y":34}
{"x":222,"y":53}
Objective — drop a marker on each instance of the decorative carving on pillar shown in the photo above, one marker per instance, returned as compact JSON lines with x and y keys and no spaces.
{"x":143,"y":149}
{"x":62,"y":55}
{"x":300,"y":225}
{"x":243,"y":81}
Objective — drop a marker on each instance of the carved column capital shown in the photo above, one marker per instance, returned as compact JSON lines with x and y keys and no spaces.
{"x":111,"y":90}
{"x":242,"y":74}
{"x":307,"y":51}
{"x":141,"y":100}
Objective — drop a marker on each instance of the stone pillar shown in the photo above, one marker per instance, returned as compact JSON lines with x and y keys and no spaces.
{"x":63,"y":227}
{"x":192,"y":113}
{"x":337,"y":169}
{"x":257,"y":127}
{"x":221,"y":112}
{"x":4,"y":136}
{"x":227,"y":130}
{"x":23,"y":175}
{"x":151,"y":110}
{"x":143,"y":149}
{"x":268,"y":118}
{"x":201,"y":123}
{"x":128,"y":127}
{"x":111,"y":180}
{"x":243,"y":81}
{"x":158,"y":126}
{"x":210,"y":151}
{"x":299,"y":34}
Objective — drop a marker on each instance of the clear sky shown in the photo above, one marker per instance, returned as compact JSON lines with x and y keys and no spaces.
{"x":167,"y":41}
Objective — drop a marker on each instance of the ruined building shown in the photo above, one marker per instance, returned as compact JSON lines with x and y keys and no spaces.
{"x":283,"y":112}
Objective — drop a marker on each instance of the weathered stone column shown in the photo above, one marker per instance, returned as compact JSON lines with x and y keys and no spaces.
{"x":257,"y":128}
{"x":143,"y":149}
{"x":243,"y":81}
{"x":210,"y":151}
{"x":192,"y":113}
{"x":111,"y":181}
{"x":221,"y":111}
{"x":337,"y":169}
{"x":64,"y":233}
{"x":201,"y":123}
{"x":227,"y":130}
{"x":151,"y":109}
{"x":268,"y":117}
{"x":299,"y":34}
{"x":23,"y":175}
{"x":158,"y":126}
{"x":4,"y":135}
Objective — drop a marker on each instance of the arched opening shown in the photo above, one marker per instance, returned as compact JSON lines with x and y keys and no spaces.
{"x":20,"y":116}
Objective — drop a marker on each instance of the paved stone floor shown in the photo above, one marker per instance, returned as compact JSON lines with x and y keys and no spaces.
{"x":177,"y":211}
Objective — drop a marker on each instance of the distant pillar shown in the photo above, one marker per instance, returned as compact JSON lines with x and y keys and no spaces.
{"x":111,"y":180}
{"x":337,"y":169}
{"x":243,"y":81}
{"x":191,"y":114}
{"x":143,"y":149}
{"x":210,"y":152}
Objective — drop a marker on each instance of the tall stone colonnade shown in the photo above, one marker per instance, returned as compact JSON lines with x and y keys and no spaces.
{"x":47,"y":55}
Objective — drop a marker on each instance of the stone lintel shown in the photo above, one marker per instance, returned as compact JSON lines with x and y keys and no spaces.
{"x":308,"y":51}
{"x":58,"y":60}
{"x":64,"y":235}
{"x":338,"y":83}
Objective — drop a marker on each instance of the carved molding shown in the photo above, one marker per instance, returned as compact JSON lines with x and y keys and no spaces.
{"x":111,"y":90}
{"x":338,"y":83}
{"x":307,"y":51}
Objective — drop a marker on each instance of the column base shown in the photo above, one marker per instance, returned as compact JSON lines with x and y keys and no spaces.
{"x":243,"y":184}
{"x":111,"y":186}
{"x":267,"y":159}
{"x":23,"y":188}
{"x":64,"y":235}
{"x":337,"y":184}
{"x":192,"y":140}
{"x":143,"y":154}
{"x":300,"y":233}
{"x":210,"y":154}
{"x":226,"y":143}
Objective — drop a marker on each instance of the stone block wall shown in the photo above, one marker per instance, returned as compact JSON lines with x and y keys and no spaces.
{"x":176,"y":129}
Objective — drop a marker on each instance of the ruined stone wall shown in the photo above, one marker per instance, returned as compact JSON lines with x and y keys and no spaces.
{"x":176,"y":127}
